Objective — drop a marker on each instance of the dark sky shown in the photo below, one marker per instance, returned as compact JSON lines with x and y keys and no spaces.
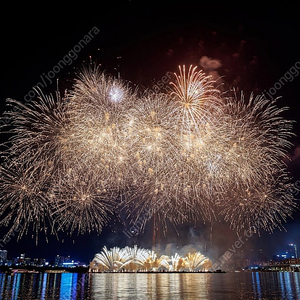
{"x":256,"y":46}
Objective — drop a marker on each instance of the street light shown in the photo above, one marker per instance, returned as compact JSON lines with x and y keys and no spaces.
{"x":295,"y":247}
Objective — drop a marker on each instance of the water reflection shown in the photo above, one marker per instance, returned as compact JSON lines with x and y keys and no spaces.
{"x":284,"y":285}
{"x":44,"y":286}
{"x":149,"y":286}
{"x":256,"y":284}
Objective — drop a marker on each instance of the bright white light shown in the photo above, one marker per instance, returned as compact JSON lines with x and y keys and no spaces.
{"x":116,"y":94}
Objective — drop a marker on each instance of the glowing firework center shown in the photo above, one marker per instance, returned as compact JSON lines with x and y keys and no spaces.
{"x":191,"y":154}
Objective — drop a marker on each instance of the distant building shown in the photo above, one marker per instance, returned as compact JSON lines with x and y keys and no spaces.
{"x":42,"y":262}
{"x":57,"y":261}
{"x":27,"y":261}
{"x":66,"y":261}
{"x":70,"y":264}
{"x":3,"y":256}
{"x":288,"y":253}
{"x":60,"y":260}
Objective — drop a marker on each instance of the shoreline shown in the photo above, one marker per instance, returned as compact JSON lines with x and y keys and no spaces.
{"x":34,"y":269}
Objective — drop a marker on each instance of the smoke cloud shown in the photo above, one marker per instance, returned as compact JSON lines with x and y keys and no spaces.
{"x":210,"y":66}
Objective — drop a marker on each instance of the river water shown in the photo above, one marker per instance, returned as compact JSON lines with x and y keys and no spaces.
{"x":281,"y":285}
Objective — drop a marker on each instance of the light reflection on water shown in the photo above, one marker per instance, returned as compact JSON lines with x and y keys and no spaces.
{"x":283,"y":285}
{"x":150,"y":286}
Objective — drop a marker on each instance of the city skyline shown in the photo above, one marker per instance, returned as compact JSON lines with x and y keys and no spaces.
{"x":287,"y":252}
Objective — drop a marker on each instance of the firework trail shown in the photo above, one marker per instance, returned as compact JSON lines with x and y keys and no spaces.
{"x":196,"y":98}
{"x":191,"y":154}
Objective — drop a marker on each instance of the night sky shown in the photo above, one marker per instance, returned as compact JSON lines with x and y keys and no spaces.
{"x":143,"y":41}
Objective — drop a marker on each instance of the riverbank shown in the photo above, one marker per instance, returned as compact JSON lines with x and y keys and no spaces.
{"x":35,"y":269}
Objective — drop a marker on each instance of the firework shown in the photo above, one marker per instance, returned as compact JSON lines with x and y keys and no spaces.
{"x":195,"y":261}
{"x":260,"y":207}
{"x":23,"y":201}
{"x":190,"y":154}
{"x":196,"y":98}
{"x":252,"y":145}
{"x":31,"y":159}
{"x":112,"y":260}
{"x":81,"y":201}
{"x":139,"y":259}
{"x":35,"y":130}
{"x":156,"y":160}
